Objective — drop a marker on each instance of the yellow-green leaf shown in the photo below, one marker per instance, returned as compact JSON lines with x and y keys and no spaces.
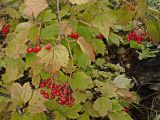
{"x":54,"y":59}
{"x":34,"y":7}
{"x":20,"y":94}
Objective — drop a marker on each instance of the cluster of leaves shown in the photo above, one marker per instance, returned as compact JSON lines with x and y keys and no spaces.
{"x":100,"y":89}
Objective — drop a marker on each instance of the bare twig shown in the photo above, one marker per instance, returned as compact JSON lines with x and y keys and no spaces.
{"x":59,"y":17}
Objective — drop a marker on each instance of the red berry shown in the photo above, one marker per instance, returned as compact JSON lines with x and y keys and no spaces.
{"x":58,"y":93}
{"x":133,"y":34}
{"x":63,"y":99}
{"x":143,"y":34}
{"x":46,"y":95}
{"x":132,"y":7}
{"x":42,"y":85}
{"x":35,"y":50}
{"x":100,"y":36}
{"x":38,"y":47}
{"x":128,"y":38}
{"x":71,"y":35}
{"x":53,"y":96}
{"x":139,"y":38}
{"x":48,"y":46}
{"x":75,"y":35}
{"x":70,"y":105}
{"x":148,"y":39}
{"x":29,"y":50}
{"x":42,"y":92}
{"x":139,"y":41}
{"x":60,"y":102}
{"x":125,"y":109}
{"x":72,"y":99}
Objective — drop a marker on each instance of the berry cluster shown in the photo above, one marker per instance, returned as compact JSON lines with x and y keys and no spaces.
{"x":74,"y":35}
{"x":100,"y":36}
{"x":5,"y":29}
{"x":139,"y":38}
{"x":38,"y":48}
{"x":60,"y":92}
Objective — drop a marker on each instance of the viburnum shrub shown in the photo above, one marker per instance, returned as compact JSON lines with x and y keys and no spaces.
{"x":52,"y":57}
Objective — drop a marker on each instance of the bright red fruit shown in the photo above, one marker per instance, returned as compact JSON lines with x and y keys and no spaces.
{"x":132,"y":7}
{"x":60,"y":102}
{"x":29,"y":50}
{"x":100,"y":36}
{"x":48,"y":46}
{"x":38,"y":47}
{"x":42,"y":92}
{"x":72,"y":99}
{"x":148,"y":39}
{"x":75,"y":35}
{"x":46,"y":95}
{"x":35,"y":50}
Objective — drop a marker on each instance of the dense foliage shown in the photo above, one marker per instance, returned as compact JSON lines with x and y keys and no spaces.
{"x":52,"y":57}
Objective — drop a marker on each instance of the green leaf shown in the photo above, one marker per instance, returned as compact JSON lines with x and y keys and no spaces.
{"x":80,"y":81}
{"x":141,"y":8}
{"x":153,"y":28}
{"x":118,"y":116}
{"x":116,"y":106}
{"x":48,"y":15}
{"x":59,"y":116}
{"x":12,"y":13}
{"x":86,"y":48}
{"x":83,"y":117}
{"x":54,"y":59}
{"x":36,"y":103}
{"x":100,"y":61}
{"x":115,"y":39}
{"x":126,"y":13}
{"x":98,"y":46}
{"x":33,"y":34}
{"x":121,"y":81}
{"x":50,"y":32}
{"x":103,"y":22}
{"x":14,"y":70}
{"x":102,"y":105}
{"x":20,"y":94}
{"x":79,"y":97}
{"x":72,"y":113}
{"x":62,"y":77}
{"x":88,"y":107}
{"x":27,"y":116}
{"x":29,"y":59}
{"x":80,"y":58}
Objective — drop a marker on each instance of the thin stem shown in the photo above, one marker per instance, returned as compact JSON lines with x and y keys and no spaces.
{"x":86,"y":23}
{"x":69,"y":48}
{"x":59,"y":17}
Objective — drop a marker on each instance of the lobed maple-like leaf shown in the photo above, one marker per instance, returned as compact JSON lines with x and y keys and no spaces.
{"x":20,"y":94}
{"x":36,"y":103}
{"x":54,"y":59}
{"x":34,"y":7}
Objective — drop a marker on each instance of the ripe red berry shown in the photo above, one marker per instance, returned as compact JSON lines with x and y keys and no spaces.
{"x":29,"y":50}
{"x":143,"y":34}
{"x":42,"y":92}
{"x":125,"y":109}
{"x":35,"y":50}
{"x":48,"y":46}
{"x":148,"y":39}
{"x":60,"y":102}
{"x":38,"y":47}
{"x":132,"y":7}
{"x":63,"y":99}
{"x":70,"y":105}
{"x":72,"y":99}
{"x":100,"y":36}
{"x":42,"y":85}
{"x":53,"y":96}
{"x":75,"y":35}
{"x":46,"y":95}
{"x":139,"y":42}
{"x":139,"y":38}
